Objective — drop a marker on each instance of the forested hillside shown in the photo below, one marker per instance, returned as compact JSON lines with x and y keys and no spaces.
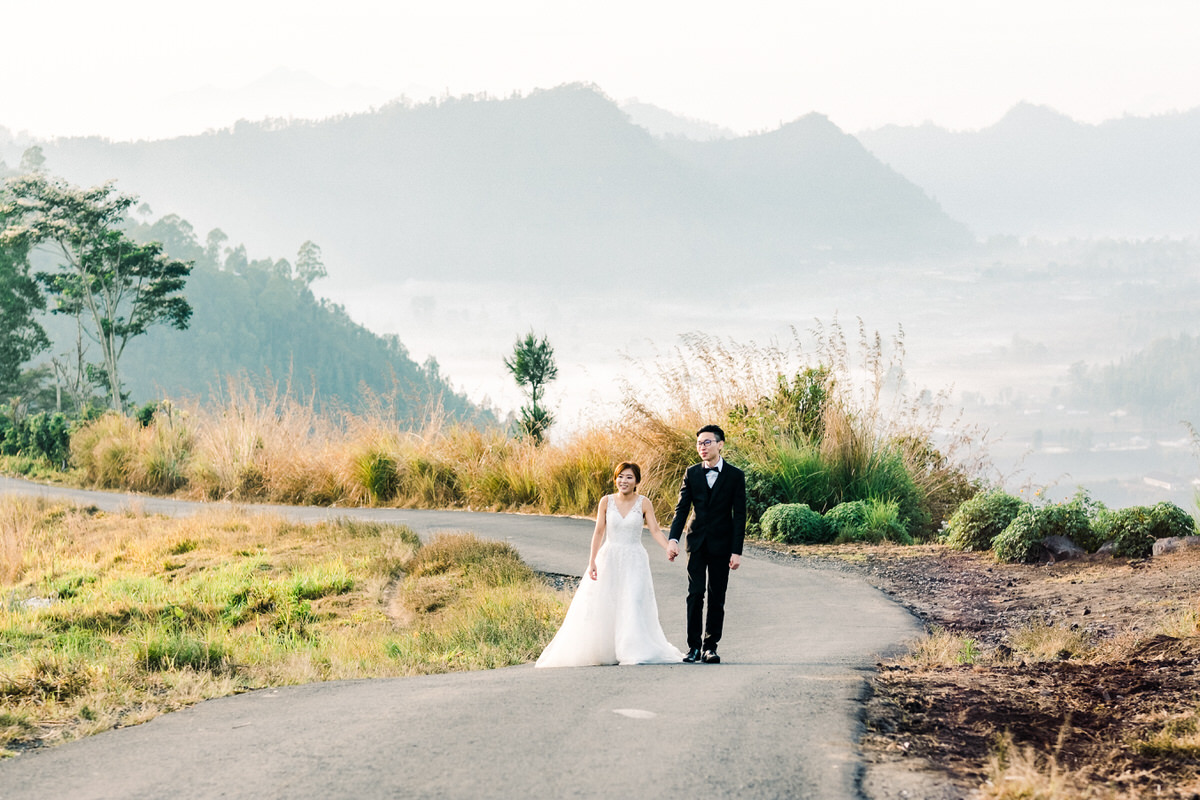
{"x":548,"y":188}
{"x":1157,"y":382}
{"x":258,"y":321}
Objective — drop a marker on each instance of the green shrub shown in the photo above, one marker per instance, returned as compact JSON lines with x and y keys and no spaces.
{"x":799,"y":474}
{"x":795,"y":523}
{"x":871,"y":521}
{"x":761,"y":494}
{"x":1134,"y":530}
{"x":847,"y":518}
{"x":889,"y":479}
{"x":1171,"y":520}
{"x":374,"y":472}
{"x":883,"y":523}
{"x":42,"y":435}
{"x":803,"y":473}
{"x":978,"y":521}
{"x":1021,"y":540}
{"x":794,"y":410}
{"x":1130,"y":531}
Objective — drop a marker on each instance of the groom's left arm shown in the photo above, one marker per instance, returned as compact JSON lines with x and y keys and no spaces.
{"x":739,"y":515}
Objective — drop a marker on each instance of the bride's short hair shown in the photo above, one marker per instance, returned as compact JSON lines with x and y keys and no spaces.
{"x":632,"y":467}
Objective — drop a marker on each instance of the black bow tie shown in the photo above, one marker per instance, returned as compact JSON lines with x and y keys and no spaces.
{"x":713,"y":469}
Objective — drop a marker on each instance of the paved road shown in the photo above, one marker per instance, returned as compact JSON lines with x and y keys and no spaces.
{"x":779,"y":718}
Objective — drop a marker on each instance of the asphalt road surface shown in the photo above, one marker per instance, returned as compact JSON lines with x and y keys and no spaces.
{"x":779,"y":717}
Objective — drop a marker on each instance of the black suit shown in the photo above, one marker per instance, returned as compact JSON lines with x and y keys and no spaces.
{"x":715,"y":533}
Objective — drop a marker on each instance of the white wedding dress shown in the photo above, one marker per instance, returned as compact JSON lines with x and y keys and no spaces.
{"x":614,"y":619}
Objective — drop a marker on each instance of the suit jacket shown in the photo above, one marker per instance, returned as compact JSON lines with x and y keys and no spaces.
{"x":720,"y":512}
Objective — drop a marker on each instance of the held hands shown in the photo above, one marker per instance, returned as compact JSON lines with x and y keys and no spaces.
{"x":672,"y":549}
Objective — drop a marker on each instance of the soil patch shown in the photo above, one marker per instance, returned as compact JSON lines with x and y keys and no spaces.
{"x":1129,"y":671}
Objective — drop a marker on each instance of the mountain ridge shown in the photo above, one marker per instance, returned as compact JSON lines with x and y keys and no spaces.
{"x":547,"y":186}
{"x":1037,"y":172}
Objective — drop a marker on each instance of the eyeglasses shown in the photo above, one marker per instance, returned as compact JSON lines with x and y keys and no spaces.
{"x":706,"y":443}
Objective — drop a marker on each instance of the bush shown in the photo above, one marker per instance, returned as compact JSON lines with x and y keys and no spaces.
{"x":105,"y":450}
{"x":42,"y":435}
{"x":1073,"y":519}
{"x":1021,"y":540}
{"x":978,"y":521}
{"x":872,"y":521}
{"x":1134,"y":530}
{"x":761,"y":494}
{"x":374,"y":474}
{"x":883,"y":523}
{"x":1171,"y":520}
{"x":1130,"y":531}
{"x":847,"y":518}
{"x":795,"y":523}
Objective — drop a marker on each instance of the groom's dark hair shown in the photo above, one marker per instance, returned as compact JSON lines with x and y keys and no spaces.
{"x":715,"y":430}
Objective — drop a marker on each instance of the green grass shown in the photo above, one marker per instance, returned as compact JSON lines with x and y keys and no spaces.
{"x":1178,"y":738}
{"x":149,"y":614}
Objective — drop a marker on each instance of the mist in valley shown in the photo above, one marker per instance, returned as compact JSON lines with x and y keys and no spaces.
{"x":1002,"y":331}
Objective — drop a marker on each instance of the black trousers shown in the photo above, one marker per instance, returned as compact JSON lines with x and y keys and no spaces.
{"x":706,"y":571}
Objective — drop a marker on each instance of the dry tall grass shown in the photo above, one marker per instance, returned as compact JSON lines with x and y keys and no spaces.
{"x":822,"y":423}
{"x":864,"y":441}
{"x":18,"y":523}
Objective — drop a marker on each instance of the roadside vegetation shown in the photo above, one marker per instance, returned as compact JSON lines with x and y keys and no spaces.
{"x":109,"y":620}
{"x":1017,"y":531}
{"x":826,"y":434}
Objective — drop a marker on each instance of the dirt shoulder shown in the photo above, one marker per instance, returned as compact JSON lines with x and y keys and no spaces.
{"x":1125,"y":670}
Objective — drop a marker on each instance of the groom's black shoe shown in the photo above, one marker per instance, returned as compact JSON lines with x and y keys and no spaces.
{"x":710,"y":657}
{"x":693,"y":656}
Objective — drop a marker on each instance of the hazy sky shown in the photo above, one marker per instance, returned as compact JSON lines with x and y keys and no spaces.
{"x":118,"y":68}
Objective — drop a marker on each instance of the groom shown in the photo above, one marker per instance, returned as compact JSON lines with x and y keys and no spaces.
{"x":716,"y":492}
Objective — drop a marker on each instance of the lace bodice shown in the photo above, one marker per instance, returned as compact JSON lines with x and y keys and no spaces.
{"x":625,"y":530}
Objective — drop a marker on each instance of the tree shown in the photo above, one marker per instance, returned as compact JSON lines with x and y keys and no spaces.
{"x":532,"y":364}
{"x":21,"y":337}
{"x":33,"y":160}
{"x":236,"y":260}
{"x":114,"y":287}
{"x":309,"y":266}
{"x":212,"y":246}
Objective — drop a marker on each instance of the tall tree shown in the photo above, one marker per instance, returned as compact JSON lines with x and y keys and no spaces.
{"x":213,"y":243}
{"x":309,"y":266}
{"x":33,"y":160}
{"x":532,"y":365}
{"x":114,"y":287}
{"x":21,"y":337}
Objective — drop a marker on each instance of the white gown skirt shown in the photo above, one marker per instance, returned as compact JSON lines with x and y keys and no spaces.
{"x":613,"y":619}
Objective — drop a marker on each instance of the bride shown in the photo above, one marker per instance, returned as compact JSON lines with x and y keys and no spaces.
{"x":613,"y":618}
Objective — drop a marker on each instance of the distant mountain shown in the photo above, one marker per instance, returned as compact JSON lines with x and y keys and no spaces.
{"x":552,"y":187}
{"x":808,"y":182}
{"x":661,"y":122}
{"x":1038,"y":172}
{"x":281,"y":93}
